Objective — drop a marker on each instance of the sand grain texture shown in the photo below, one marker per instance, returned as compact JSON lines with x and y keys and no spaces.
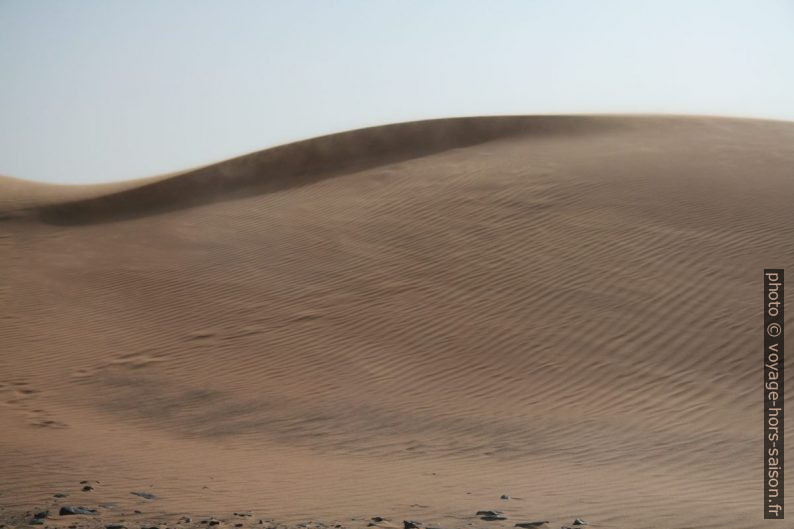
{"x":406,"y":321}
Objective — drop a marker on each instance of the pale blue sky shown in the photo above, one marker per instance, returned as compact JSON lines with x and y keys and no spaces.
{"x":102,"y":90}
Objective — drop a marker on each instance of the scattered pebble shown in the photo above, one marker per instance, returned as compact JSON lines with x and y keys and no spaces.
{"x":114,"y":526}
{"x":490,"y":516}
{"x":410,"y":524}
{"x":87,"y":488}
{"x":67,"y":510}
{"x":579,"y":521}
{"x":60,"y":495}
{"x":145,"y":495}
{"x":532,"y":525}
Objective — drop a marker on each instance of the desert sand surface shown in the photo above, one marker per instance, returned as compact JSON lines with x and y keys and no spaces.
{"x":405,"y":322}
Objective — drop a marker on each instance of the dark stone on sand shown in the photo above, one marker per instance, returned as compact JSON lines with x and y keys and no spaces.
{"x":410,"y":524}
{"x":36,"y":521}
{"x":68,"y":510}
{"x":114,"y":526}
{"x":378,"y":519}
{"x":490,"y":518}
{"x":489,"y":513}
{"x":238,"y":525}
{"x":532,"y":525}
{"x":214,"y":522}
{"x":83,"y":482}
{"x":145,"y":495}
{"x":87,"y":488}
{"x":41,"y":514}
{"x":136,"y":511}
{"x":504,"y":497}
{"x":60,"y":495}
{"x":579,"y":521}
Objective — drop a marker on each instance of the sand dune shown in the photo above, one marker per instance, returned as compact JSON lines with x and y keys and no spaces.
{"x":406,"y":321}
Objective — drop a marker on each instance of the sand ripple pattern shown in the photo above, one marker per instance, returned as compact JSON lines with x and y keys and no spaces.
{"x":563,"y":308}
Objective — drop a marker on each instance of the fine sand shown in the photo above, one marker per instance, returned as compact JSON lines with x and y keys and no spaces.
{"x":406,"y":321}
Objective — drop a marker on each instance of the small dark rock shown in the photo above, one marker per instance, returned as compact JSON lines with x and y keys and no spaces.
{"x":410,"y":524}
{"x":41,"y":514}
{"x":238,"y":525}
{"x":145,"y":495}
{"x":36,"y":521}
{"x":493,"y":518}
{"x":87,"y":488}
{"x":60,"y":495}
{"x":114,"y":526}
{"x":532,"y":525}
{"x":504,"y":497}
{"x":579,"y":521}
{"x":214,"y":522}
{"x":489,"y":513}
{"x":378,"y":519}
{"x":83,"y":482}
{"x":136,"y":511}
{"x":68,"y":510}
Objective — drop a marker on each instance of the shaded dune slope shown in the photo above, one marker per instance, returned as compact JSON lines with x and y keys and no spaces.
{"x":308,"y":161}
{"x":409,"y":320}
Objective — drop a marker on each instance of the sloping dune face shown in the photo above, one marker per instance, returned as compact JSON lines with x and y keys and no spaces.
{"x":406,"y":321}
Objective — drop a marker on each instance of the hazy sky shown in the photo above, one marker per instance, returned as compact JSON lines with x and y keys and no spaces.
{"x":106,"y":90}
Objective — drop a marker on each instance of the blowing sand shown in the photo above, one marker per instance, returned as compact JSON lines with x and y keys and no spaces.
{"x":407,"y":321}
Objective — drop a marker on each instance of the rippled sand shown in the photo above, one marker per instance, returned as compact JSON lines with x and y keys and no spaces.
{"x":407,"y":321}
